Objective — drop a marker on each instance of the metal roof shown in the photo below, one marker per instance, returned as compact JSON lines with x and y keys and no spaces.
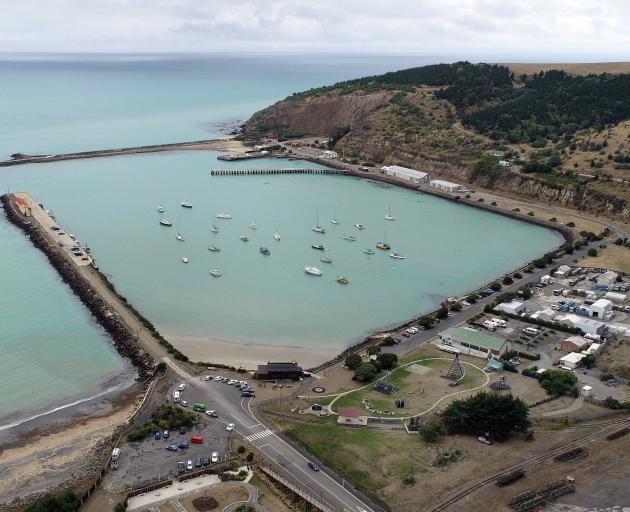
{"x":477,"y":338}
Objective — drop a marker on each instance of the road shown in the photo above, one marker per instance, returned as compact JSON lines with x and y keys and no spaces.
{"x":233,"y":408}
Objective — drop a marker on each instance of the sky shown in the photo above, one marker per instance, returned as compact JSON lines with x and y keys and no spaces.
{"x":526,"y":29}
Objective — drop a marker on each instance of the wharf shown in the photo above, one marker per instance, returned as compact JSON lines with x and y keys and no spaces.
{"x":233,"y":157}
{"x":240,"y":172}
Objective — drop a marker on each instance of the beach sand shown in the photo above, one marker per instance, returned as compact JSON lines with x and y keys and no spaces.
{"x":247,"y":356}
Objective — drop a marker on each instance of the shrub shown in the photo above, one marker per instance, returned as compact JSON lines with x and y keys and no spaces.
{"x":388,"y":342}
{"x":387,"y":361}
{"x":507,"y":280}
{"x":570,"y":224}
{"x":432,"y":430}
{"x":592,"y":252}
{"x":531,"y":214}
{"x":442,"y":313}
{"x":353,"y":361}
{"x":558,"y":382}
{"x":250,"y":457}
{"x":472,"y":298}
{"x":373,"y":350}
{"x":241,"y":449}
{"x":366,"y":372}
{"x":496,"y":286}
{"x":456,"y":306}
{"x":63,"y":502}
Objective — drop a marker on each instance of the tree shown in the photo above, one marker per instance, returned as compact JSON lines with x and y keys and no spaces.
{"x":588,"y":361}
{"x":497,"y":415}
{"x":62,"y":502}
{"x":387,"y":361}
{"x":472,"y":298}
{"x":442,"y":313}
{"x":366,"y":372}
{"x":456,"y":306}
{"x":507,"y":280}
{"x":558,"y":382}
{"x":426,"y":322}
{"x":496,"y":286}
{"x":373,"y":350}
{"x":592,"y":252}
{"x":353,"y":361}
{"x":433,"y":429}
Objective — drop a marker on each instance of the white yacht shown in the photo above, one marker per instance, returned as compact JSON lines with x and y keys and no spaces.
{"x":184,"y":259}
{"x":216,"y":273}
{"x":317,"y":228}
{"x":180,"y":237}
{"x":359,"y":226}
{"x":160,"y":209}
{"x":186,"y":204}
{"x":253,"y":226}
{"x":389,"y":213}
{"x":314,"y":271}
{"x":334,"y":219}
{"x":276,"y":236}
{"x":165,"y":222}
{"x":245,"y":238}
{"x":396,"y":256}
{"x":214,"y":228}
{"x":325,"y":260}
{"x":349,"y":237}
{"x":223,"y":216}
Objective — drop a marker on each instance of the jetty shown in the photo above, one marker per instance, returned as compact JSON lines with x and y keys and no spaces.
{"x":232,"y":157}
{"x":246,"y":172}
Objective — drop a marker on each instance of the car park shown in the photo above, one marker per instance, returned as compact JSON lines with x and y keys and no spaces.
{"x":313,"y":466}
{"x":189,"y":465}
{"x":215,"y":457}
{"x":230,"y":427}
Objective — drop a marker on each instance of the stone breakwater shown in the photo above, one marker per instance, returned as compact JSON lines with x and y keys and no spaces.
{"x":123,"y":339}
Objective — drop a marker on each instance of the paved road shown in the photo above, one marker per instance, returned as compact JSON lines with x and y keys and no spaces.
{"x":232,"y":408}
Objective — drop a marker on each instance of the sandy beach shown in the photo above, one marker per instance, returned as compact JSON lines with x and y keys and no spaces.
{"x":247,"y":355}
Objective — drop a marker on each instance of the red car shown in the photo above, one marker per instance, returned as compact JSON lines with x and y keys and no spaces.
{"x":196,"y":439}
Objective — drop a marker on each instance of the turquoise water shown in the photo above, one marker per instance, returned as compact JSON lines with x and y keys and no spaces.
{"x":52,"y":351}
{"x":111,"y":204}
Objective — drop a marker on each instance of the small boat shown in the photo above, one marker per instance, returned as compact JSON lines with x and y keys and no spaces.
{"x":317,"y":228}
{"x":342,"y":280}
{"x":165,"y":222}
{"x":389,"y":213}
{"x":160,"y":209}
{"x":253,"y":226}
{"x":369,"y":252}
{"x":184,"y":259}
{"x":359,"y":226}
{"x":276,"y":236}
{"x":349,"y":237}
{"x":180,"y":237}
{"x":319,"y":247}
{"x":334,"y":219}
{"x":265,"y":251}
{"x":186,"y":204}
{"x":314,"y":271}
{"x":214,"y":228}
{"x":223,"y":216}
{"x":383,"y":245}
{"x":396,"y":256}
{"x":325,"y":260}
{"x":245,"y":238}
{"x":214,"y":248}
{"x":216,"y":273}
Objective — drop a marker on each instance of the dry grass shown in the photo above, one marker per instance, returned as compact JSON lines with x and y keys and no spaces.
{"x":615,"y":359}
{"x":613,"y":257}
{"x":573,"y":68}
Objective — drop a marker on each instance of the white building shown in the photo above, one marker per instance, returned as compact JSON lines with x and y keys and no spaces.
{"x":609,"y":278}
{"x":562,"y":272}
{"x":586,"y":325}
{"x":587,"y":390}
{"x":447,"y":186}
{"x":601,"y":308}
{"x":616,"y":297}
{"x":593,"y":349}
{"x":404,"y":173}
{"x":545,"y":314}
{"x":571,"y":360}
{"x":513,"y":308}
{"x":546,"y":279}
{"x":505,"y":163}
{"x":331,"y":155}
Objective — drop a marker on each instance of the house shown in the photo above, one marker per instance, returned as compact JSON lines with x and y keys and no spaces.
{"x":574,"y":344}
{"x":601,"y":308}
{"x":571,"y":360}
{"x":447,"y":186}
{"x":562,"y":272}
{"x":586,"y":325}
{"x":404,"y":173}
{"x":331,"y":155}
{"x":546,"y":280}
{"x":472,"y":342}
{"x":593,"y":349}
{"x":278,"y":371}
{"x":505,"y":163}
{"x":607,"y":278}
{"x":587,"y":390}
{"x":512,"y":308}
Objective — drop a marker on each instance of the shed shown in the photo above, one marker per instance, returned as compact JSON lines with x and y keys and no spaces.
{"x":513,"y":307}
{"x":545,"y":314}
{"x":447,"y":186}
{"x":607,"y":278}
{"x":330,"y":154}
{"x":600,"y":308}
{"x":574,"y":344}
{"x":571,"y":360}
{"x":616,"y":297}
{"x":563,"y":271}
{"x":586,"y":325}
{"x":470,"y":341}
{"x":587,"y":390}
{"x":278,"y":371}
{"x":404,"y":173}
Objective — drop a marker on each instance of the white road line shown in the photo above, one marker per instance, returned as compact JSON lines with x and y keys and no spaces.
{"x":259,"y":435}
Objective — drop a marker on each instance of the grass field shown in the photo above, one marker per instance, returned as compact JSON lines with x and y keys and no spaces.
{"x":613,"y":257}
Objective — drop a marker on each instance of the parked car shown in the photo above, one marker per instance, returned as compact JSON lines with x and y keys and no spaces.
{"x":182,"y":429}
{"x":181,"y":467}
{"x":166,"y":434}
{"x":157,"y":435}
{"x":207,"y":378}
{"x":212,"y":413}
{"x":230,"y":427}
{"x":198,"y":462}
{"x":313,"y":466}
{"x":189,"y":465}
{"x":218,"y":378}
{"x":205,"y":461}
{"x":183,"y":445}
{"x":172,"y":447}
{"x":484,"y":440}
{"x":184,"y":403}
{"x":215,"y":457}
{"x":405,"y":334}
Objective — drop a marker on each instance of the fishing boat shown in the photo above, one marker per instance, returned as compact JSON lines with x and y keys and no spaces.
{"x":334,"y":218}
{"x":319,"y":247}
{"x":389,"y":213}
{"x":214,"y":248}
{"x":396,"y":256}
{"x":253,"y":226}
{"x":349,"y":237}
{"x":369,"y":252}
{"x":186,"y":204}
{"x":223,"y":216}
{"x":180,"y":237}
{"x":214,"y":228}
{"x":165,"y":222}
{"x":184,"y":259}
{"x":160,"y":209}
{"x":325,"y":260}
{"x":245,"y":238}
{"x":342,"y":280}
{"x":314,"y":271}
{"x":265,"y":251}
{"x":384,"y":246}
{"x":359,"y":226}
{"x":317,"y":228}
{"x":216,"y":273}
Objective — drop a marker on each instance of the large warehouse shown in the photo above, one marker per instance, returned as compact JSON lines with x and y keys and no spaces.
{"x":404,"y":173}
{"x":472,"y":342}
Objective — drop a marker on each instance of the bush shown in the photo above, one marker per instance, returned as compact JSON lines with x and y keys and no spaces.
{"x":507,"y":280}
{"x":558,"y":382}
{"x":241,"y":449}
{"x":388,"y":342}
{"x":426,"y":322}
{"x":62,"y":502}
{"x":472,"y":298}
{"x":250,"y":457}
{"x":353,"y":361}
{"x":588,"y":361}
{"x":374,"y":350}
{"x":366,"y":372}
{"x":387,"y":361}
{"x":592,"y":252}
{"x":442,"y":313}
{"x":496,"y":286}
{"x":456,"y":306}
{"x":165,"y":417}
{"x":432,"y":430}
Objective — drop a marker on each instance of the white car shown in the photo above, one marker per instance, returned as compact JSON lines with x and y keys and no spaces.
{"x":184,"y":403}
{"x":181,"y":387}
{"x":230,"y":427}
{"x":189,"y":465}
{"x":215,"y":457}
{"x":207,"y":378}
{"x":218,"y":378}
{"x":231,"y":382}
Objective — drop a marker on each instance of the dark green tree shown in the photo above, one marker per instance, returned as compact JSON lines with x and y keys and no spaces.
{"x":353,"y":361}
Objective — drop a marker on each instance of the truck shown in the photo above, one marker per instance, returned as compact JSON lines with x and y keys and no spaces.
{"x":199,"y":407}
{"x":115,"y":458}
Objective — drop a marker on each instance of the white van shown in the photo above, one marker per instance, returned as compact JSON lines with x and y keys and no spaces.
{"x":499,"y":322}
{"x":530,"y":331}
{"x":176,"y":397}
{"x":181,"y":387}
{"x":488,"y":324}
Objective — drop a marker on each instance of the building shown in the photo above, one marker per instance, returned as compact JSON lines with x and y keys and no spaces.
{"x":586,"y":325}
{"x":472,"y":342}
{"x":447,"y":186}
{"x":332,"y":155}
{"x":505,"y":163}
{"x":616,"y":297}
{"x":574,"y":344}
{"x":587,"y":390}
{"x":562,"y":272}
{"x":278,"y":371}
{"x":607,"y":278}
{"x":571,"y":360}
{"x":512,"y":308}
{"x":601,"y":308}
{"x":545,"y":314}
{"x":404,"y":173}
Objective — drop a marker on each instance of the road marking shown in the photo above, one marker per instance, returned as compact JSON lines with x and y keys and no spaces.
{"x":258,"y":435}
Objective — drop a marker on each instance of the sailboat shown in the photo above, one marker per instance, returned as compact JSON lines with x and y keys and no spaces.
{"x":216,"y":273}
{"x":342,"y":280}
{"x":165,"y":222}
{"x":180,"y":237}
{"x":276,"y":235}
{"x":184,"y":259}
{"x":334,"y":218}
{"x":317,"y":228}
{"x":389,"y":213}
{"x":383,"y":245}
{"x":253,"y":225}
{"x":214,"y":228}
{"x":186,"y":204}
{"x":396,"y":256}
{"x":160,"y":209}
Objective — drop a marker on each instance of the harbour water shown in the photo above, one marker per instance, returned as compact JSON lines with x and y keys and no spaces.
{"x":269,"y":300}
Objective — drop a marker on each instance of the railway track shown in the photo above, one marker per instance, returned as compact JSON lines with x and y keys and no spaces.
{"x":578,"y":443}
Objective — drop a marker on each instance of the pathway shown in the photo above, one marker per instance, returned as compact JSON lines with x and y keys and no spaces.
{"x":577,"y":404}
{"x":252,"y":501}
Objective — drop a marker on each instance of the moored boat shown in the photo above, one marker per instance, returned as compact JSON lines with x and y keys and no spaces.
{"x":214,"y":228}
{"x":253,"y":226}
{"x":325,"y":260}
{"x":216,"y":273}
{"x":359,"y":226}
{"x":180,"y":237}
{"x":276,"y":236}
{"x":184,"y":259}
{"x":383,"y":245}
{"x":186,"y":204}
{"x":342,"y":280}
{"x":333,"y":220}
{"x":314,"y":271}
{"x":317,"y":228}
{"x":265,"y":251}
{"x":349,"y":237}
{"x":223,"y":216}
{"x":165,"y":222}
{"x":319,"y":247}
{"x":214,"y":248}
{"x":160,"y":209}
{"x":396,"y":256}
{"x":369,"y":252}
{"x":245,"y":238}
{"x":389,"y":215}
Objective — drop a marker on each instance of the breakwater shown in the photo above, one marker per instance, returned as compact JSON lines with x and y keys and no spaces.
{"x":124,"y":340}
{"x":252,"y":172}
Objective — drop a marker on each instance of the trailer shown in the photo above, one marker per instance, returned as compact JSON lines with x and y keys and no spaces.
{"x":115,"y":458}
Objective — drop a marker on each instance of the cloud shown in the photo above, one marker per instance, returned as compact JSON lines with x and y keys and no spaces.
{"x":510,"y":27}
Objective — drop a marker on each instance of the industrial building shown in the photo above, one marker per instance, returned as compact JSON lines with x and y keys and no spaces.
{"x":278,"y":371}
{"x":601,"y":308}
{"x":472,"y":342}
{"x":331,"y":155}
{"x":447,"y":186}
{"x":607,"y":278}
{"x":586,"y":325}
{"x":512,"y":308}
{"x":404,"y":173}
{"x":574,"y":344}
{"x":562,"y":272}
{"x":571,"y":360}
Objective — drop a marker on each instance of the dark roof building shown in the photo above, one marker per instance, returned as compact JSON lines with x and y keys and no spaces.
{"x":278,"y":371}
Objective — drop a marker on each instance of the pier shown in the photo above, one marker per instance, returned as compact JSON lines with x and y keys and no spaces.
{"x":245,"y":172}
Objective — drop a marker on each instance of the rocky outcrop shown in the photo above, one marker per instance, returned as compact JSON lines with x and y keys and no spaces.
{"x":123,"y":339}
